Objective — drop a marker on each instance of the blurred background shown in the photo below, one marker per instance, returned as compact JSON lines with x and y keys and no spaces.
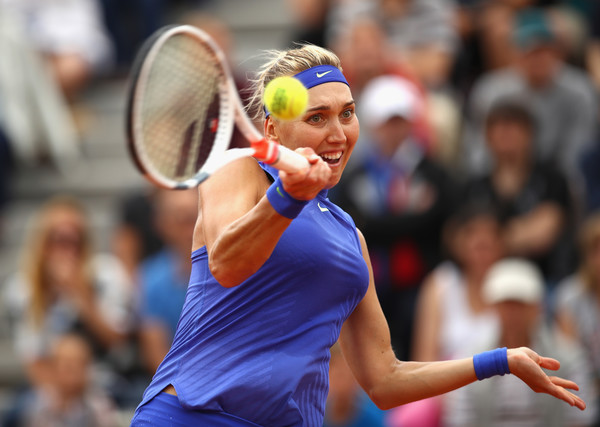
{"x":479,"y":143}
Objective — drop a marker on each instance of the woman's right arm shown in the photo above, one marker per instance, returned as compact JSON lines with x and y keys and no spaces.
{"x":238,"y":224}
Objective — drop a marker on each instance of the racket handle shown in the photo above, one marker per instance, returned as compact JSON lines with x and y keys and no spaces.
{"x":279,"y":156}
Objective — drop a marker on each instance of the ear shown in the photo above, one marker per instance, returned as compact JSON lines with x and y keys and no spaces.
{"x":270,"y":129}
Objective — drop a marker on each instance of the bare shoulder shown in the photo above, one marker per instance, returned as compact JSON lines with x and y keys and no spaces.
{"x":227,"y":195}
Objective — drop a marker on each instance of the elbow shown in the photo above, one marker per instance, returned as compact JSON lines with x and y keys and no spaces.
{"x":229,"y":273}
{"x":225,"y":276}
{"x":381,"y":395}
{"x":381,"y":399}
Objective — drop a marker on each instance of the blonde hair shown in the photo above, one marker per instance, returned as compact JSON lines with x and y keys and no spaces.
{"x":286,"y":63}
{"x":589,"y":237}
{"x":35,"y":250}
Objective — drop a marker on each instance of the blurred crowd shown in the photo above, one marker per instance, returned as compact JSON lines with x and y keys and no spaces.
{"x":476,"y":182}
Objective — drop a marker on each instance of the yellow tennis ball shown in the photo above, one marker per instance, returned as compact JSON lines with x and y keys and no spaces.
{"x":285,"y":98}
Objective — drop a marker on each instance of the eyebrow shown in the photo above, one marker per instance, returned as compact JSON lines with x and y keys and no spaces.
{"x":326,"y":107}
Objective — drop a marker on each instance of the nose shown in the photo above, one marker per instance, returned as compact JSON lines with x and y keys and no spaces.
{"x":335,"y":132}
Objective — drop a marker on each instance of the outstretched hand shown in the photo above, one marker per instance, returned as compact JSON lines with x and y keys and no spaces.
{"x":527,"y":365}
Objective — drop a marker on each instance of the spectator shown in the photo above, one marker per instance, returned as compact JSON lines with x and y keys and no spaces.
{"x":421,"y":32}
{"x":515,"y":288}
{"x":71,"y":37}
{"x":135,"y":237}
{"x":562,"y":98}
{"x":451,"y":311}
{"x":399,"y":198}
{"x":34,"y":115}
{"x":451,"y":314}
{"x":163,"y":277}
{"x":65,"y":286}
{"x":367,"y":52}
{"x":70,"y":400}
{"x":533,"y":199}
{"x":577,"y":298}
{"x":347,"y":405}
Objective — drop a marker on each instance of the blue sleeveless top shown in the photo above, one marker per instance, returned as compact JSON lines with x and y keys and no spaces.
{"x":260,"y":350}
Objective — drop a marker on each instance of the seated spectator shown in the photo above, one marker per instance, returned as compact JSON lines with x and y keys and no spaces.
{"x":347,"y":405}
{"x":135,"y":237}
{"x":421,"y":32}
{"x":367,"y":52}
{"x":577,"y":299}
{"x":451,"y":314}
{"x":533,"y":199}
{"x":65,"y":286}
{"x":562,"y":98}
{"x":71,"y":37}
{"x":400,"y":198}
{"x":163,"y":277}
{"x":451,"y":311}
{"x":69,"y":400}
{"x":515,"y":289}
{"x":34,"y":115}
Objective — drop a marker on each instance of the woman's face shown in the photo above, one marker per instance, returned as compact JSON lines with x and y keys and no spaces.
{"x":329,"y":126}
{"x":478,"y":244}
{"x":65,"y":232}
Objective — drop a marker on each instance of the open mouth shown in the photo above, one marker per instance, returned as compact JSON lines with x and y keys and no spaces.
{"x":332,"y":158}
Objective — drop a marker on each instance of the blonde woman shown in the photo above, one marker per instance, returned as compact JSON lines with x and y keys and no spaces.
{"x":64,"y":286}
{"x":279,"y":273}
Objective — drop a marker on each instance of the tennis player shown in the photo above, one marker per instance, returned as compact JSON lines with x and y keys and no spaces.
{"x":279,"y":273}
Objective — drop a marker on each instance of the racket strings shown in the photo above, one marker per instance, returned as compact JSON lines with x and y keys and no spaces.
{"x":181,"y":108}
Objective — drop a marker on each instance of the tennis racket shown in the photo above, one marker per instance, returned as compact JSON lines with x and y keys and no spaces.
{"x":182,"y":107}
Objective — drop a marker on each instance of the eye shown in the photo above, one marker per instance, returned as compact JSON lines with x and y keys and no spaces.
{"x":347,"y":114}
{"x":315,"y":118}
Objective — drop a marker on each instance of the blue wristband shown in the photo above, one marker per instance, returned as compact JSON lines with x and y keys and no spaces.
{"x":284,"y":204}
{"x":491,"y":363}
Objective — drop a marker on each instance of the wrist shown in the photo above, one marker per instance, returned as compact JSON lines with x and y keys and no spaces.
{"x":491,"y":363}
{"x":284,"y":204}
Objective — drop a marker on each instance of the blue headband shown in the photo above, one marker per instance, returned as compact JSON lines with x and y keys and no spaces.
{"x":318,"y":75}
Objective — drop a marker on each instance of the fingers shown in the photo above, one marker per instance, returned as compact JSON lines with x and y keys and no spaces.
{"x":549,"y":363}
{"x":306,"y":185}
{"x":561,"y":382}
{"x":527,"y":365}
{"x":309,"y":153}
{"x":566,"y":396}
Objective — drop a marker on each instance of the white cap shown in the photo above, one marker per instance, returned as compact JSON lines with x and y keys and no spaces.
{"x":386,"y":97}
{"x":515,"y":280}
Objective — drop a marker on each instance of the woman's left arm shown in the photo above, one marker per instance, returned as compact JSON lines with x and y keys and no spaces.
{"x":365,"y":342}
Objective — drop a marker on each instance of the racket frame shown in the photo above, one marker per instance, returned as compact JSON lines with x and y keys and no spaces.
{"x":231,"y":112}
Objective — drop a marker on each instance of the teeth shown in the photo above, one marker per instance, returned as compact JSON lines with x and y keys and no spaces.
{"x":331,"y":156}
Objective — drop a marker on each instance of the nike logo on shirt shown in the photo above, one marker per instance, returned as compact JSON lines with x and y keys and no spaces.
{"x":321,"y":208}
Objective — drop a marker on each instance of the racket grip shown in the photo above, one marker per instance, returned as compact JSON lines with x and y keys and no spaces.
{"x":280,"y":157}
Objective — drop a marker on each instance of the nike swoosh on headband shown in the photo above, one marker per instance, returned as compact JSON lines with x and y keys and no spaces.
{"x":319,"y":75}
